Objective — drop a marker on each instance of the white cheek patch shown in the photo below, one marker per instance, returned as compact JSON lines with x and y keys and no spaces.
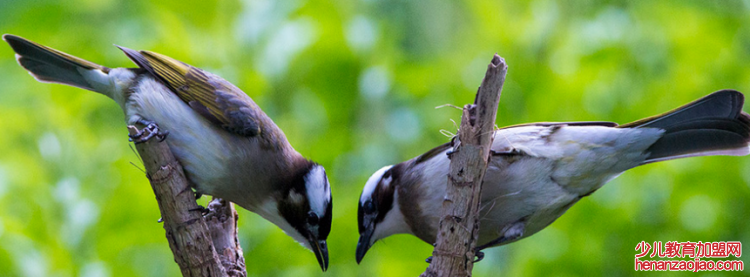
{"x":372,"y":183}
{"x":318,"y":190}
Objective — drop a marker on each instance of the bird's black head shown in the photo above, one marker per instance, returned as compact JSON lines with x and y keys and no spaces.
{"x":376,"y":202}
{"x":307,"y":207}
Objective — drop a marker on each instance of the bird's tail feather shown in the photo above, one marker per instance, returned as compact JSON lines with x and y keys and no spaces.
{"x":712,"y":125}
{"x":50,"y":65}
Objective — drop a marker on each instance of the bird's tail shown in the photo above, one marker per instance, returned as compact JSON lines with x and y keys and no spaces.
{"x":712,"y":125}
{"x":50,"y":65}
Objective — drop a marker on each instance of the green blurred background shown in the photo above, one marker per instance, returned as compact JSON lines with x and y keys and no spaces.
{"x":354,"y":84}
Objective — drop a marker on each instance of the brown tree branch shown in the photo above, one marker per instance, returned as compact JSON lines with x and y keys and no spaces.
{"x":222,"y":224}
{"x":459,"y":224}
{"x":188,"y":234}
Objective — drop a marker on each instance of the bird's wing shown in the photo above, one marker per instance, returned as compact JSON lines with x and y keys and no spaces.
{"x":448,"y":145}
{"x":579,"y":123}
{"x":433,"y":152}
{"x":209,"y":95}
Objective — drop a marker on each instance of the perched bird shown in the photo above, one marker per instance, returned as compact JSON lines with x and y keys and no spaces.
{"x":537,"y":171}
{"x":227,"y":145}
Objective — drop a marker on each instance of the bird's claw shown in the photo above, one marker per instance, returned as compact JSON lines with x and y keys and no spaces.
{"x":161,"y":136}
{"x":478,"y":256}
{"x":150,"y":131}
{"x":428,"y":260}
{"x":203,"y":210}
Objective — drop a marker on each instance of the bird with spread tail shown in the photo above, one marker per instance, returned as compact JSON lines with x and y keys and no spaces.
{"x":538,"y":171}
{"x":227,"y":145}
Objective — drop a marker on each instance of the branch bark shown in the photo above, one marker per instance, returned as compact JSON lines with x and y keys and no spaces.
{"x":459,"y":224}
{"x":222,"y":224}
{"x":190,"y":238}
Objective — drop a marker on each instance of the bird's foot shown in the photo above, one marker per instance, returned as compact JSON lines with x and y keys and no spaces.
{"x":454,"y":144}
{"x":150,"y":131}
{"x":198,"y":195}
{"x":428,"y":260}
{"x":478,"y":256}
{"x":200,"y":208}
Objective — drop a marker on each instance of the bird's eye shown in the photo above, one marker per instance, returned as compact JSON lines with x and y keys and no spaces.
{"x":369,"y":207}
{"x":312,"y":218}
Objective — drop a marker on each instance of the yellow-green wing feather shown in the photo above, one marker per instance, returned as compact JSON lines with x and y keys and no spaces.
{"x":211,"y":96}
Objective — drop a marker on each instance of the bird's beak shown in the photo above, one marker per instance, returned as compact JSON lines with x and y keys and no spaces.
{"x":320,"y":249}
{"x":364,"y":244}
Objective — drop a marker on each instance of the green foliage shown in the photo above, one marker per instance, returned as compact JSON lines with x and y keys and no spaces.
{"x":354,"y":85}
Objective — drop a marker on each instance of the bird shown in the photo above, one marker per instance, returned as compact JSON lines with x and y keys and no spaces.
{"x":537,"y":171}
{"x":228,"y":147}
